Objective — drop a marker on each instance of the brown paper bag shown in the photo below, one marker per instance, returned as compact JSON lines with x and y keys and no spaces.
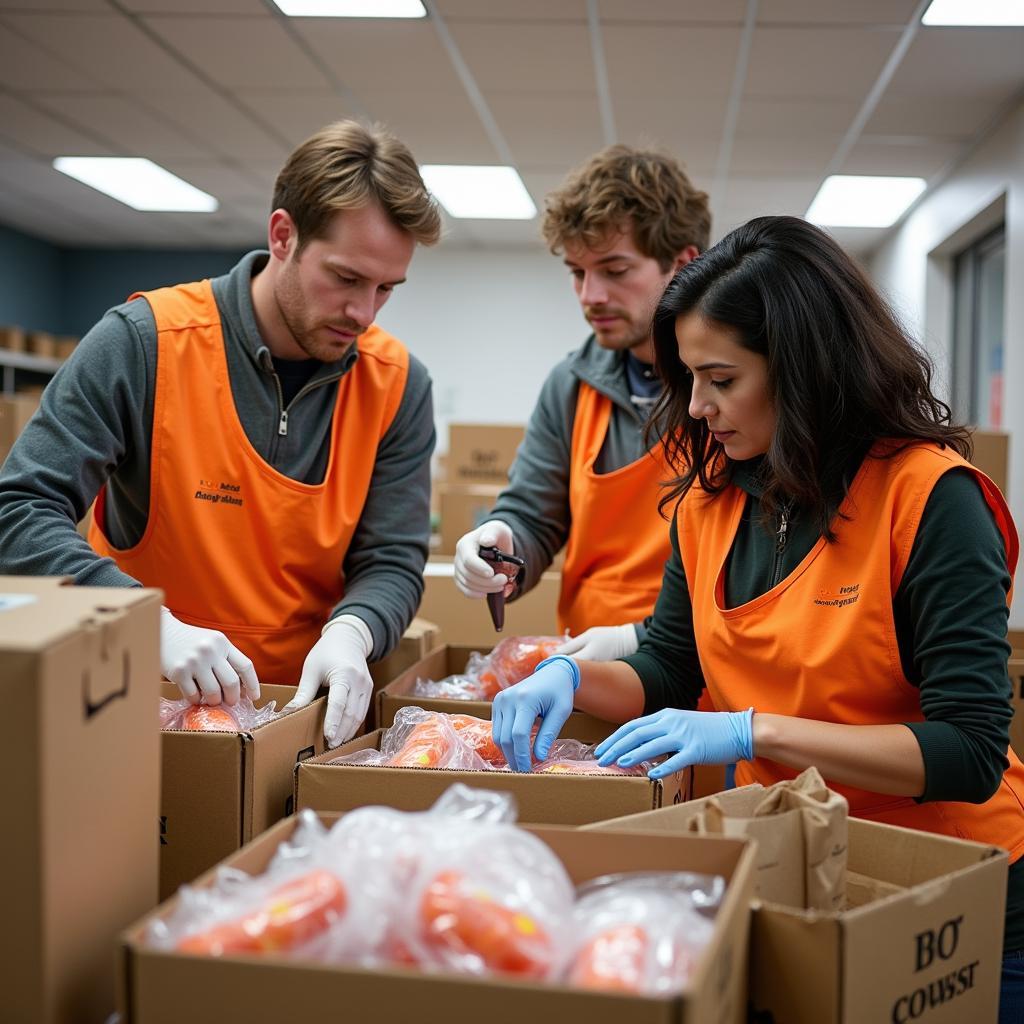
{"x":801,"y":833}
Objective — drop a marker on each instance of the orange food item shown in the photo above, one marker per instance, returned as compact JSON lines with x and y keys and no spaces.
{"x":293,"y":914}
{"x":202,"y":718}
{"x":463,"y":920}
{"x":424,"y":747}
{"x":488,"y":684}
{"x":477,"y":733}
{"x":613,"y":960}
{"x":516,"y":657}
{"x":580,"y":768}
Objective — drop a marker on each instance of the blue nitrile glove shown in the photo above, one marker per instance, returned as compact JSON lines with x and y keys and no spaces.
{"x":546,"y":695}
{"x":693,"y":737}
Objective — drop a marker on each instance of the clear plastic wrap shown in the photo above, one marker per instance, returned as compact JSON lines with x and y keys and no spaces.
{"x":241,"y":717}
{"x":427,"y":739}
{"x":642,"y":933}
{"x":571,"y":757}
{"x":475,"y":682}
{"x":516,"y":657}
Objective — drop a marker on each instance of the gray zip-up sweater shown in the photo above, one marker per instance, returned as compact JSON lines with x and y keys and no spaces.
{"x":95,"y":426}
{"x":536,"y":502}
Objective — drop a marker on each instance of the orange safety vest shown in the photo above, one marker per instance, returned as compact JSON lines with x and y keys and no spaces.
{"x":822,"y":643}
{"x":235,"y":545}
{"x":618,"y":541}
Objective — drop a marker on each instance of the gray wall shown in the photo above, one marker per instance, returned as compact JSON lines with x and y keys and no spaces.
{"x":46,"y":287}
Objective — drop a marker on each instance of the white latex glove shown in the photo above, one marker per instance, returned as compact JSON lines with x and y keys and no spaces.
{"x":475,"y":577}
{"x":601,"y":643}
{"x":205,"y":664}
{"x":338,"y":661}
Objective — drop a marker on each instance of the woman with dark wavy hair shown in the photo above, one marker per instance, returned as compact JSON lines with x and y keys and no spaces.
{"x":840,"y":572}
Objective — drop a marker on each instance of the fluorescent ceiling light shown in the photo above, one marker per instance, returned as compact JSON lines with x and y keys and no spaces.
{"x":137,"y":182}
{"x":863,"y":201}
{"x":486,"y":193}
{"x":352,"y":8}
{"x":974,"y":12}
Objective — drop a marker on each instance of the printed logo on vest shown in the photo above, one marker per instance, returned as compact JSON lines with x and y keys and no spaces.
{"x":219,"y":492}
{"x":838,"y":598}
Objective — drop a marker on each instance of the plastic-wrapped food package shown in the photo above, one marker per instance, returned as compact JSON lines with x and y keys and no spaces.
{"x":241,"y":717}
{"x":475,"y":682}
{"x":289,"y":909}
{"x":427,"y":739}
{"x":571,"y":757}
{"x":516,"y":657}
{"x":644,"y":933}
{"x":493,"y":899}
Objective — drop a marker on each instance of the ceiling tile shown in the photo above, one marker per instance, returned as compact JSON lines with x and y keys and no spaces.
{"x":728,"y":12}
{"x":920,"y":157}
{"x":535,"y":58}
{"x":132,"y":130}
{"x":824,"y":12}
{"x":521,"y":10}
{"x":767,"y":157}
{"x":961,"y":64}
{"x":298,"y":113}
{"x":368,"y":55}
{"x":223,"y":127}
{"x":953,"y":118}
{"x":795,"y":118}
{"x":672,"y":61}
{"x":25,"y":66}
{"x":56,"y":6}
{"x":246,"y":7}
{"x":824,"y":63}
{"x":438,"y":128}
{"x":241,"y":53}
{"x":109,"y":47}
{"x":41,"y":135}
{"x":552,"y":130}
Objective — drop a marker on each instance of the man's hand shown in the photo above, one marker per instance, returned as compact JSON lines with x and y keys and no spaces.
{"x":475,"y":577}
{"x":204,"y":664}
{"x":601,"y":643}
{"x":547,"y":695}
{"x":691,"y":737}
{"x":338,"y":661}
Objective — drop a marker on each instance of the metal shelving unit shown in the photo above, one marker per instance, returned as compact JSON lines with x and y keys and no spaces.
{"x":12,"y":361}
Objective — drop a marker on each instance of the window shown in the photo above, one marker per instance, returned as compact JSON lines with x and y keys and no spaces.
{"x":980,"y":273}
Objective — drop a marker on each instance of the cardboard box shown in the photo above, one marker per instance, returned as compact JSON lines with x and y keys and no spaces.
{"x":13,"y":339}
{"x":991,"y":456}
{"x":466,"y":621}
{"x":546,"y":799}
{"x":65,"y":345}
{"x":463,"y":508}
{"x":80,"y":788}
{"x":482,"y":453}
{"x":42,"y":343}
{"x":921,"y":936}
{"x":15,"y":412}
{"x":417,"y":641}
{"x":220,"y":789}
{"x":168,"y":988}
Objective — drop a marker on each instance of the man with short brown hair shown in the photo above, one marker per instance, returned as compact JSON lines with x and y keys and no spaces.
{"x":625,"y":222}
{"x":259,"y":447}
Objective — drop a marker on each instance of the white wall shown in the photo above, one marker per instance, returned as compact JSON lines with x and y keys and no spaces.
{"x":914,"y":267}
{"x":489,"y":324}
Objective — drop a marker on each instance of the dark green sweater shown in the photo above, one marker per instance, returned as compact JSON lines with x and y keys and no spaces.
{"x":951,"y":618}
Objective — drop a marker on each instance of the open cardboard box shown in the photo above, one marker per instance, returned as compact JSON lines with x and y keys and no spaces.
{"x":159,"y":987}
{"x":419,"y":639}
{"x":920,"y":938}
{"x":547,"y":799}
{"x":452,"y":657}
{"x":220,"y":789}
{"x":447,"y":660}
{"x":80,"y":785}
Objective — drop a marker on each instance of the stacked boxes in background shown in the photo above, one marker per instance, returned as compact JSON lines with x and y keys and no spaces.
{"x":476,"y":469}
{"x":80,"y":784}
